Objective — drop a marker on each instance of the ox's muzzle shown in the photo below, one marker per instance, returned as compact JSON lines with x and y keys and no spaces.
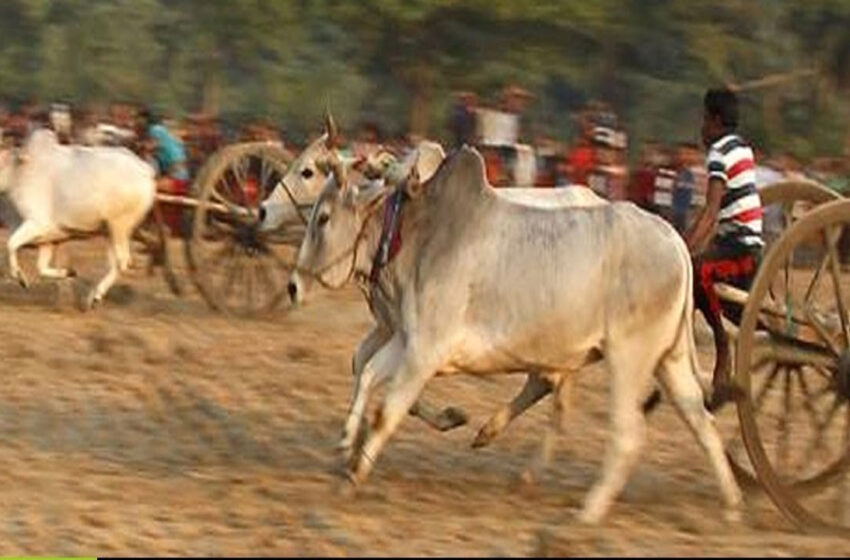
{"x":296,"y":289}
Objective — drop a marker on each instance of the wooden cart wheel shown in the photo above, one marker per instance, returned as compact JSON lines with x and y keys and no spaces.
{"x":238,"y":269}
{"x":784,"y":202}
{"x":793,"y":362}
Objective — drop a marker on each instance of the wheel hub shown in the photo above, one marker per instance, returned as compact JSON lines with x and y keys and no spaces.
{"x":248,"y":236}
{"x":842,"y":375}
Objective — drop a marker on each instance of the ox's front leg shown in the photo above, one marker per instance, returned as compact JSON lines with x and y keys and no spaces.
{"x":28,"y":232}
{"x":373,"y":373}
{"x":408,"y":378}
{"x":373,"y":341}
{"x":440,"y":419}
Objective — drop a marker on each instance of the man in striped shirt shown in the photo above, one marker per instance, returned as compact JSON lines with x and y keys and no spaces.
{"x":730,"y":225}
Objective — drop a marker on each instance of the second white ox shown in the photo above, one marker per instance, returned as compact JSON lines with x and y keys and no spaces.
{"x":488,"y":285}
{"x":61,"y":191}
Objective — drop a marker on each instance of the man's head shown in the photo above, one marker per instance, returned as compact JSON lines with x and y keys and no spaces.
{"x":720,"y":114}
{"x":144,"y":119}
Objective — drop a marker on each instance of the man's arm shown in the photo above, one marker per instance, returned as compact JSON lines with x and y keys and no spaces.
{"x":707,"y":219}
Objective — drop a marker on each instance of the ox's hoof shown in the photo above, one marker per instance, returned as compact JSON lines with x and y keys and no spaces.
{"x":346,"y":486}
{"x":733,"y":516}
{"x":71,"y":273}
{"x":22,"y":279}
{"x":528,"y":478}
{"x":587,"y":517}
{"x":92,"y":301}
{"x":451,"y":418}
{"x":483,"y":438}
{"x":525,"y":484}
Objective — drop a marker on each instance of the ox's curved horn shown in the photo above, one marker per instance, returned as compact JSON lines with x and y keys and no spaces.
{"x":331,"y":130}
{"x":338,"y":170}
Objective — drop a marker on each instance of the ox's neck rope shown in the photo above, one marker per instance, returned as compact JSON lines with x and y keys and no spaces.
{"x":291,"y":198}
{"x":351,"y":251}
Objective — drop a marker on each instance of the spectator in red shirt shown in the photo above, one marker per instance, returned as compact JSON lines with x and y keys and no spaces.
{"x":581,"y":162}
{"x":642,"y":180}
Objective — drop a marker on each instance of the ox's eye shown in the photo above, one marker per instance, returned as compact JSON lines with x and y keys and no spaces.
{"x":323,"y":219}
{"x":306,"y":172}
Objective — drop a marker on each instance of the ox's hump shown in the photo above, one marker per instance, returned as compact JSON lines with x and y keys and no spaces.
{"x":463,"y":172}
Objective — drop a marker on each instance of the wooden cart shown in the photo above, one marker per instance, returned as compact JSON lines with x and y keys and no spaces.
{"x":792,"y":359}
{"x":238,"y":269}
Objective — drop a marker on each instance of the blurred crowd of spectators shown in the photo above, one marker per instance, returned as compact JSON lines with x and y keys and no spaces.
{"x":667,"y":178}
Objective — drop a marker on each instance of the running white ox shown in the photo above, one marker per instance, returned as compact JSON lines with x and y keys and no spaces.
{"x":483,"y":285}
{"x":306,"y":178}
{"x":60,"y":191}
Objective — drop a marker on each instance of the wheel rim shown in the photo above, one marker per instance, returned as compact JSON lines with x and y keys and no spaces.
{"x":785,"y":203}
{"x":239,"y":269}
{"x":795,"y":420}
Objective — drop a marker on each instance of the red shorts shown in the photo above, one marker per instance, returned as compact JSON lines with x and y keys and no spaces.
{"x":729,"y":265}
{"x":172,"y":213}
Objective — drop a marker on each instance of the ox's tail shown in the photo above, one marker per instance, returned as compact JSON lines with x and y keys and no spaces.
{"x":687,"y":323}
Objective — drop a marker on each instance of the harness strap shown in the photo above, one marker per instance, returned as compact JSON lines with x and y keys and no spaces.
{"x":390,"y":242}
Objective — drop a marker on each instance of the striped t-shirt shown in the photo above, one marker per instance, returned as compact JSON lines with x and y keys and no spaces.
{"x":731,"y":160}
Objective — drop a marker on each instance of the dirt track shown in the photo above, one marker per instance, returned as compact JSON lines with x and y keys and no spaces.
{"x":159,"y":427}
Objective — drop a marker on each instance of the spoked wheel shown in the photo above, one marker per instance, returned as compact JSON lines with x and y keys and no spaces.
{"x":784,"y":204}
{"x":793,"y":362}
{"x":237,"y":268}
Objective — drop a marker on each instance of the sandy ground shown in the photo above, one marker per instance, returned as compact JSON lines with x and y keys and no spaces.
{"x":156,"y":426}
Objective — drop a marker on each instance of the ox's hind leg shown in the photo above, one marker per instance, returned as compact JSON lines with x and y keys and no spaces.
{"x":563,"y":389}
{"x":536,"y":387}
{"x":118,"y":254}
{"x":678,"y":376}
{"x":630,"y":366}
{"x":45,"y":255}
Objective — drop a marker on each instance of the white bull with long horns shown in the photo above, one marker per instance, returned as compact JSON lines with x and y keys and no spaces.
{"x":304,"y":180}
{"x":486,"y":285}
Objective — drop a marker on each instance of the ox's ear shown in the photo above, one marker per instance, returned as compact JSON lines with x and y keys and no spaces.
{"x":331,"y":130}
{"x":413,"y":183}
{"x":338,"y":170}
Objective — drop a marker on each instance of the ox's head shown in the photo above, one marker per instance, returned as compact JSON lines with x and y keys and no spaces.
{"x":303,"y":180}
{"x":335,"y":243}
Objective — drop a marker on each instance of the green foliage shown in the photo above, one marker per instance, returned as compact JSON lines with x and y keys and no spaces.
{"x":397,"y":62}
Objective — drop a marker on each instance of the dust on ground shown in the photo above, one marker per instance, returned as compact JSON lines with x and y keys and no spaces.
{"x":155,"y":426}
